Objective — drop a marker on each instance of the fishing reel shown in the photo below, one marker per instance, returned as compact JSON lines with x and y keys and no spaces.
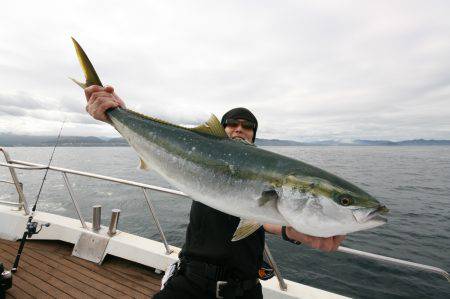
{"x":5,"y":280}
{"x":32,"y":228}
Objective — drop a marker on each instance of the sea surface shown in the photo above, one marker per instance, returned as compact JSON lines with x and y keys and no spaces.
{"x":414,"y":182}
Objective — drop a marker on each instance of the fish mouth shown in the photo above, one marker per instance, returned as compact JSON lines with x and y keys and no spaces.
{"x":362,"y":215}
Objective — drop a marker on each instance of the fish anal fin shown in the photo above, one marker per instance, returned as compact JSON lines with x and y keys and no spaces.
{"x":245,"y":229}
{"x":143,"y":165}
{"x":212,"y":127}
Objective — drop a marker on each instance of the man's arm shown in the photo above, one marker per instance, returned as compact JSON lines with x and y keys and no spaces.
{"x":323,"y":244}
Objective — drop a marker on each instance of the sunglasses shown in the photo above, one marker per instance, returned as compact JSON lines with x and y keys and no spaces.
{"x":244,"y":123}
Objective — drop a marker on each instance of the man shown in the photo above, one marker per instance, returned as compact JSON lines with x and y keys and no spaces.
{"x":210,"y":262}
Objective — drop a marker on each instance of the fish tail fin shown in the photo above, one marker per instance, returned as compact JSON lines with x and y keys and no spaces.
{"x":88,"y":69}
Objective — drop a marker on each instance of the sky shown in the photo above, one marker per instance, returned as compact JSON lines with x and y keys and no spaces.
{"x":309,"y":70}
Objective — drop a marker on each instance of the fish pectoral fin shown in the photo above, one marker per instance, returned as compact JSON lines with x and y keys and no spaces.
{"x":267,"y":196}
{"x":143,"y":165}
{"x":245,"y":229}
{"x":212,"y":127}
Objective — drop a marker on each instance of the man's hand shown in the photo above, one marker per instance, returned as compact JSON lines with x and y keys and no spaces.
{"x":324,"y":244}
{"x":99,"y":99}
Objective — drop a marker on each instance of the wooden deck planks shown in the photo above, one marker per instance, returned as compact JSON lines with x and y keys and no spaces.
{"x":47,"y":270}
{"x":94,"y":274}
{"x":59,"y":280}
{"x":34,"y":284}
{"x":143,"y":285}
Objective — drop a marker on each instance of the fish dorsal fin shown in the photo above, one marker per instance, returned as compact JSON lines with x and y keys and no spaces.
{"x":212,"y":127}
{"x":245,"y":229}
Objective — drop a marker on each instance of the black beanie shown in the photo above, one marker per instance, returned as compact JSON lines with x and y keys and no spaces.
{"x":241,"y":113}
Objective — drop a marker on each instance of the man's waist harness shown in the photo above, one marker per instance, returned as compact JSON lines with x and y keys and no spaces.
{"x":216,"y":279}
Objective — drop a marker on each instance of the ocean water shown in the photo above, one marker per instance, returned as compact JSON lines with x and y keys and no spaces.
{"x":414,"y":182}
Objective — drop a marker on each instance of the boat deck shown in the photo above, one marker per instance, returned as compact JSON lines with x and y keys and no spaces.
{"x":47,"y":269}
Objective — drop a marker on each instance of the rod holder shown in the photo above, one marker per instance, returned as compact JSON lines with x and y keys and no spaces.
{"x":114,"y":221}
{"x":96,"y":217}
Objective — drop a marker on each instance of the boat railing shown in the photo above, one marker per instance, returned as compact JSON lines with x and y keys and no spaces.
{"x":22,"y":202}
{"x":15,"y":181}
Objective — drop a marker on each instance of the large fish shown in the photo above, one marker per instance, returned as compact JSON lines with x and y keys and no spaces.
{"x":241,"y":179}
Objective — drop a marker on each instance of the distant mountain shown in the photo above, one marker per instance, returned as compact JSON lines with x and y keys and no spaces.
{"x":27,"y":140}
{"x":327,"y":143}
{"x":402,"y":143}
{"x":277,"y":142}
{"x":373,"y":142}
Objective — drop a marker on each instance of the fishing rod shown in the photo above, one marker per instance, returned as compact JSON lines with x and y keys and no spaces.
{"x":32,"y":226}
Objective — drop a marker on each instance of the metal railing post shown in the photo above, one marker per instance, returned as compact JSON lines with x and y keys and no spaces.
{"x":77,"y":208}
{"x":19,"y":187}
{"x":268,"y":256}
{"x":158,"y":226}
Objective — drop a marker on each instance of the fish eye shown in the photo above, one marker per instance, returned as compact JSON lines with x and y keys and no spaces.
{"x":345,"y":200}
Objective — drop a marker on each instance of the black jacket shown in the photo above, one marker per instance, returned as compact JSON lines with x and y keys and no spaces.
{"x":208,"y":239}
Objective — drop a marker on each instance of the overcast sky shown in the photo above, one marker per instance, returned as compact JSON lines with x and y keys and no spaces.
{"x":310,"y":70}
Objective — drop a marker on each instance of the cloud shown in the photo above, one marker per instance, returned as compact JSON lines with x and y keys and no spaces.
{"x":25,"y":105}
{"x":20,"y":100}
{"x":314,"y":70}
